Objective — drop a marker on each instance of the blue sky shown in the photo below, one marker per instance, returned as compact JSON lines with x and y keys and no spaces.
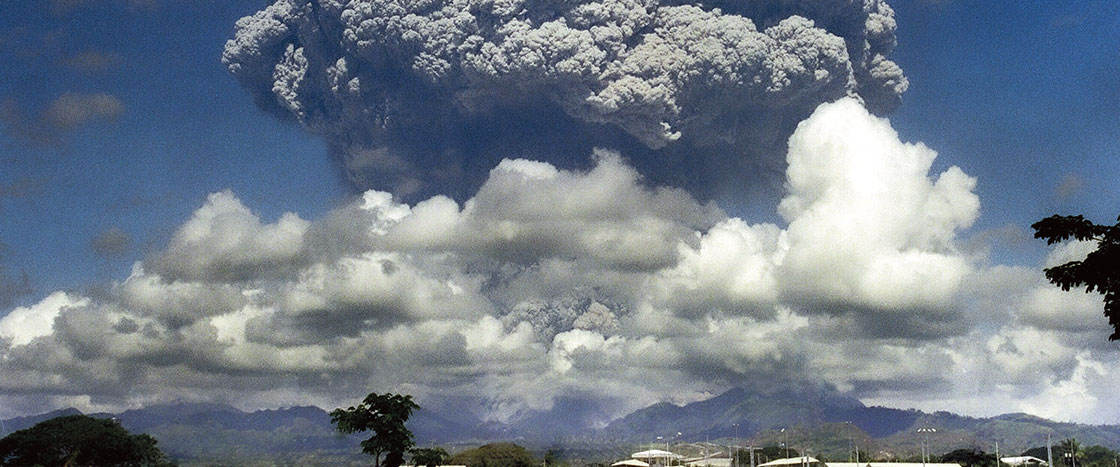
{"x":1022,"y":96}
{"x":187,"y":130}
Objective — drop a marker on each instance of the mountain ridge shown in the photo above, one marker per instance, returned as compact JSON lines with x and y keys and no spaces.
{"x":820,"y":419}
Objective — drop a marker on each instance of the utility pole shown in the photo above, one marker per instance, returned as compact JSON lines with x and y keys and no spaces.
{"x":852,"y":444}
{"x":1049,"y":452}
{"x":849,"y":441}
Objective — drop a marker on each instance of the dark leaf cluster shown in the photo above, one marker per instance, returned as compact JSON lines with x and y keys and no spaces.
{"x":79,"y":440}
{"x":1098,"y":272}
{"x":384,"y":415}
{"x":495,"y":455}
{"x":969,"y":458}
{"x":769,"y":453}
{"x":429,"y":457}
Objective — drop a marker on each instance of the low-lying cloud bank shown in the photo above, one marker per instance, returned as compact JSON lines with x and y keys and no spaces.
{"x":551,"y":284}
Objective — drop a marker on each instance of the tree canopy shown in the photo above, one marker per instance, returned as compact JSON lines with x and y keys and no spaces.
{"x":763,"y":454}
{"x":79,"y":440}
{"x":969,"y":457}
{"x":1092,"y":456}
{"x":495,"y":455}
{"x":384,"y":415}
{"x":1098,"y":456}
{"x":429,"y":457}
{"x":1071,"y":447}
{"x":1098,"y":272}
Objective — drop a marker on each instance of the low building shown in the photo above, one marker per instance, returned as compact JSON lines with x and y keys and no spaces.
{"x":709,"y":462}
{"x":892,"y":464}
{"x":805,"y":461}
{"x":655,"y":457}
{"x":1029,"y":461}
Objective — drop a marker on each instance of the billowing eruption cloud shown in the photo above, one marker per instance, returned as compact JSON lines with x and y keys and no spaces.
{"x":561,"y":278}
{"x":413,"y":95}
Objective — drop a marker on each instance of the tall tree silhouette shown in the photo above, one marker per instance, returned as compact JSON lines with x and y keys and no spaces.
{"x":384,"y":415}
{"x":1098,"y":272}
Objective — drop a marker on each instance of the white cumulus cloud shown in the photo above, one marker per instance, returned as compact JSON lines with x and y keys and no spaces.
{"x":23,"y":324}
{"x":551,"y":285}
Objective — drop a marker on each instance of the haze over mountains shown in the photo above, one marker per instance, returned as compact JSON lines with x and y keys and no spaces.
{"x":815,"y":419}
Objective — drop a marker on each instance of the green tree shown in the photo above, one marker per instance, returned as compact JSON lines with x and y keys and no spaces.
{"x":1040,"y":452}
{"x":1099,"y":271}
{"x":495,"y":455}
{"x":769,"y":453}
{"x":1071,"y":447}
{"x":553,"y":458}
{"x":429,"y":457}
{"x":1098,"y":456}
{"x":79,"y":440}
{"x":384,"y":415}
{"x":970,"y":458}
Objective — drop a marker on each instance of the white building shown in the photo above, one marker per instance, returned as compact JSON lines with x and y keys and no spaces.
{"x":709,"y":462}
{"x":1022,"y":460}
{"x":657,"y":457}
{"x":793,"y":462}
{"x":892,"y":464}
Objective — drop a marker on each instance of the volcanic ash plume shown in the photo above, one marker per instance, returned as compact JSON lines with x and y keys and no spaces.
{"x":399,"y":85}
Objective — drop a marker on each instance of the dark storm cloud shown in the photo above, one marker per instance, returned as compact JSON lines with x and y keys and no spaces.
{"x":111,"y":242}
{"x":62,"y":7}
{"x":92,"y":61}
{"x":69,"y":112}
{"x":19,"y":189}
{"x":12,"y":285}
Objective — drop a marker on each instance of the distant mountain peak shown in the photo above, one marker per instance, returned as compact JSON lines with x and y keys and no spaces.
{"x":744,"y":411}
{"x":192,"y":406}
{"x":1021,"y":416}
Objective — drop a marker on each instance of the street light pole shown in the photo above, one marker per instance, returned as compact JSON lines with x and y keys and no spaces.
{"x":659,"y":439}
{"x":736,"y":452}
{"x":925,"y":440}
{"x":849,"y":441}
{"x":785,"y":441}
{"x":1049,"y":452}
